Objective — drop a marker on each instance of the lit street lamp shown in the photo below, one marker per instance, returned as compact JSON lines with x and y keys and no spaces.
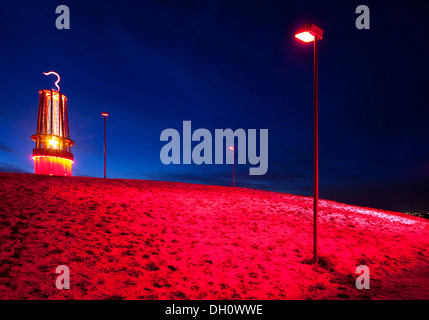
{"x":105,"y":115}
{"x":309,"y":33}
{"x":233,"y":165}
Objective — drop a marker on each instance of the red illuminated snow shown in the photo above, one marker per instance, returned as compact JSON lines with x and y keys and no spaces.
{"x":134,"y":239}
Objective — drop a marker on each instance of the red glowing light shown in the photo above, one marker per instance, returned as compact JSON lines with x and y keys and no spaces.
{"x":56,"y":82}
{"x":305,"y":36}
{"x":309,"y":32}
{"x":104,"y":114}
{"x":52,"y":165}
{"x":52,"y":157}
{"x":231,"y":148}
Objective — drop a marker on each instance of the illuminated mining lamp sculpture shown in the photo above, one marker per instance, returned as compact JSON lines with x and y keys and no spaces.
{"x":52,"y":154}
{"x":233,"y":165}
{"x":312,"y":33}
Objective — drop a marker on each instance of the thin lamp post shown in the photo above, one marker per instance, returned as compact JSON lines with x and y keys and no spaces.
{"x":105,"y":115}
{"x":312,"y":33}
{"x":233,"y":165}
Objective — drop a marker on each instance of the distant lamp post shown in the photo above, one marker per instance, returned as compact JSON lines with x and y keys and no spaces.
{"x":233,"y":165}
{"x":312,"y":33}
{"x":105,"y":115}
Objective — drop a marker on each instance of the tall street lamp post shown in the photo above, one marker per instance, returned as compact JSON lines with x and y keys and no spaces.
{"x":105,"y":115}
{"x":312,"y":33}
{"x":233,"y":165}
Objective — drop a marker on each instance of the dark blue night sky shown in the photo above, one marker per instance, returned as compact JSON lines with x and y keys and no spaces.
{"x":229,"y":64}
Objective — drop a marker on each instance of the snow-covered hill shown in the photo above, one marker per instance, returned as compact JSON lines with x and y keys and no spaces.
{"x":135,"y":239}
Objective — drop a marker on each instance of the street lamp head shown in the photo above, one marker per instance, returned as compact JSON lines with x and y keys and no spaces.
{"x":308,"y":32}
{"x":104,"y":114}
{"x":305,"y":36}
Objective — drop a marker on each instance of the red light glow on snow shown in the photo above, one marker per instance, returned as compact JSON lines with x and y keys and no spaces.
{"x":140,"y":239}
{"x":305,"y":36}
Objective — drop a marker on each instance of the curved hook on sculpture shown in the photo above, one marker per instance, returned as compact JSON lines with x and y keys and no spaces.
{"x":56,"y":82}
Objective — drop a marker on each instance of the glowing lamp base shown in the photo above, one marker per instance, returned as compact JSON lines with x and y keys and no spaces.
{"x":52,"y":165}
